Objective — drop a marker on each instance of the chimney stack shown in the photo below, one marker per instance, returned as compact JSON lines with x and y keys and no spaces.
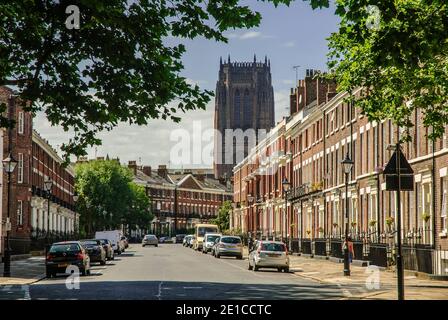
{"x":162,"y":171}
{"x":147,"y":170}
{"x":132,"y":164}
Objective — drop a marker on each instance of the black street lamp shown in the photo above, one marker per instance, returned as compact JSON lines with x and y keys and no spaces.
{"x":9,"y":164}
{"x":75,"y":226}
{"x":347,"y":165}
{"x":286,"y":186}
{"x":48,"y":184}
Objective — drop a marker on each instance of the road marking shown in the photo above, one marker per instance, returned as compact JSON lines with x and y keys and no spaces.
{"x":159,"y":295}
{"x":27,"y":295}
{"x":235,"y":266}
{"x":192,"y":287}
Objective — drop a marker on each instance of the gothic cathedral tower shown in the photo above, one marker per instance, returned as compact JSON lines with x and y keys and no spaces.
{"x":244,"y":99}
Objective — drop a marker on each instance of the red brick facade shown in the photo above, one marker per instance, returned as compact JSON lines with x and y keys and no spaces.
{"x":313,"y":141}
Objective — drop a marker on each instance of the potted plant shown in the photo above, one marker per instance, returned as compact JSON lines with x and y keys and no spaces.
{"x":372,"y":223}
{"x":426,"y":217}
{"x":390,"y":221}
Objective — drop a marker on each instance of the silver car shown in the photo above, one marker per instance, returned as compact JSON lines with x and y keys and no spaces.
{"x":150,"y":240}
{"x":229,"y":246}
{"x":269,"y":254}
{"x":209,"y":241}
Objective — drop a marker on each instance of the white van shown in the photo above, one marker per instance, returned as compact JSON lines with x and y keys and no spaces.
{"x":114,"y":236}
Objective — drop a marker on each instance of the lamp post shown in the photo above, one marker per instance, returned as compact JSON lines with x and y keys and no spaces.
{"x":9,"y":164}
{"x":286,"y":185}
{"x":250,"y":200}
{"x":75,"y":226}
{"x":48,"y":184}
{"x":347,"y":165}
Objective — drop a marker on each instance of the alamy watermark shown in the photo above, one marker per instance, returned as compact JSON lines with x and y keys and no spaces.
{"x":373,"y":18}
{"x":72,"y":281}
{"x":73,"y":20}
{"x":232,"y":146}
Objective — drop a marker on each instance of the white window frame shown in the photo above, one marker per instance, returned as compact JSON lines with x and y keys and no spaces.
{"x":444,"y":207}
{"x":20,"y":168}
{"x":19,"y":212}
{"x":21,"y":123}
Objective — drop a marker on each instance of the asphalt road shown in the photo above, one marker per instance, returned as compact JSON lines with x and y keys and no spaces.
{"x":171,"y":272}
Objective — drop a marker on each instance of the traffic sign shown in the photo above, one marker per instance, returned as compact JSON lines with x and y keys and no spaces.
{"x":406,"y":173}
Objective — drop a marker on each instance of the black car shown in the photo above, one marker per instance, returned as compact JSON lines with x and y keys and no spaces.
{"x":180,"y":238}
{"x":95,"y":250}
{"x":107,"y":245}
{"x":63,"y":254}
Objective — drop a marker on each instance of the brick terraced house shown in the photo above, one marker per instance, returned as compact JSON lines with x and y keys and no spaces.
{"x":181,"y":198}
{"x":36,"y":160}
{"x":307,"y":149}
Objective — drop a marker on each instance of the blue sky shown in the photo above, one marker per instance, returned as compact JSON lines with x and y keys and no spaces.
{"x":288,"y":36}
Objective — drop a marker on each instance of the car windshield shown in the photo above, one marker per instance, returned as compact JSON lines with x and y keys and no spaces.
{"x":103,"y":242}
{"x":203,"y":230}
{"x":90,"y":243}
{"x":150,"y":237}
{"x":230,"y":240}
{"x":212,"y":238}
{"x":71,"y":247}
{"x":273,"y":247}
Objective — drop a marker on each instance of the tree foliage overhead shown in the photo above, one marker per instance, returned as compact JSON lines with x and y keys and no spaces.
{"x":109,"y":198}
{"x":117,"y":66}
{"x":397,"y":51}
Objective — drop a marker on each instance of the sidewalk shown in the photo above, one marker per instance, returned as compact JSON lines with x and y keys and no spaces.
{"x":367,"y":283}
{"x":25,"y":271}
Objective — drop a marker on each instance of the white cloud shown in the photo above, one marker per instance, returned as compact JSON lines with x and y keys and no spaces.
{"x":150,"y":143}
{"x":250,"y":35}
{"x":289,"y":44}
{"x":281,"y":98}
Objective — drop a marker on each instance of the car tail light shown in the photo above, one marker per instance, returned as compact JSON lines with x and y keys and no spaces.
{"x":80,"y":256}
{"x":49,"y":257}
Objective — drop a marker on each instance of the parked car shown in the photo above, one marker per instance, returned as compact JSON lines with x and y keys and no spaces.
{"x":213,"y":250}
{"x":114,"y":236}
{"x":229,"y":246}
{"x":186,"y":240}
{"x":63,"y":254}
{"x":125,"y":241}
{"x":209,"y":241}
{"x":95,"y":250}
{"x":180,"y":238}
{"x":269,"y":254}
{"x":107,"y":245}
{"x":150,"y":240}
{"x":191,"y":241}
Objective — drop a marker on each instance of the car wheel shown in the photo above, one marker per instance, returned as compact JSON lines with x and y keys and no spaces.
{"x":239,"y":257}
{"x":255,"y":267}
{"x":279,"y":269}
{"x":83,"y":272}
{"x":88,"y":272}
{"x":203,"y":251}
{"x":48,"y":274}
{"x":143,"y":245}
{"x":103,"y":262}
{"x":53,"y":274}
{"x":218,"y":255}
{"x":249,"y":267}
{"x":286,"y":269}
{"x":156,"y":245}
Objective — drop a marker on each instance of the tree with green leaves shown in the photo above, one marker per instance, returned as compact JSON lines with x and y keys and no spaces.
{"x":117,"y":67}
{"x":108,"y":198}
{"x":223,"y":218}
{"x":396,"y":51}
